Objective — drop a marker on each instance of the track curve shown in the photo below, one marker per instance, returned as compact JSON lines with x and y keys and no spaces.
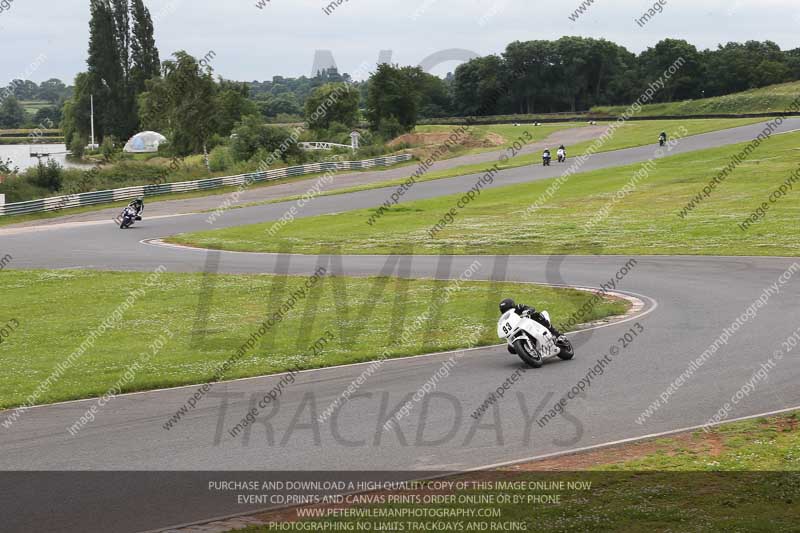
{"x":697,"y":298}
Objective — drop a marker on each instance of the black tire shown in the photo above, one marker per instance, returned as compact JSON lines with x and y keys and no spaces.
{"x":531,"y":359}
{"x":567,"y":351}
{"x":511,"y":349}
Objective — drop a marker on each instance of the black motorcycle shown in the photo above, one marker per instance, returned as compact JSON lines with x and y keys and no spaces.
{"x":662,"y":141}
{"x":546,"y":160}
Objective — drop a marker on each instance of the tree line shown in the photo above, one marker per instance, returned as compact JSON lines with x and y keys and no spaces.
{"x":13,"y":113}
{"x":570,"y":74}
{"x":577,"y":73}
{"x":122,"y":57}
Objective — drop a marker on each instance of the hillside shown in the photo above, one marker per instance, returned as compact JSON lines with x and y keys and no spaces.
{"x":773,"y":98}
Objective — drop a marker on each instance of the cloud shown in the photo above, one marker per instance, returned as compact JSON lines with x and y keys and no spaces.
{"x":256,"y":44}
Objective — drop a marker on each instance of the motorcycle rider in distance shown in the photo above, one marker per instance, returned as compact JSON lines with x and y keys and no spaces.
{"x":562,"y":154}
{"x":138,"y":206}
{"x":526,"y":311}
{"x":662,"y":139}
{"x":546,"y":157}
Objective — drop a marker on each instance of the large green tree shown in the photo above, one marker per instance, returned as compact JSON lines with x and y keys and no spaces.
{"x":122,"y":56}
{"x":231,"y":103}
{"x":12,"y":114}
{"x":686,"y":83}
{"x":332,"y":102}
{"x":52,"y":90}
{"x":271,"y":106}
{"x":76,"y":111}
{"x":145,"y":62}
{"x":481,"y":86}
{"x":182,"y":104}
{"x":106,"y":80}
{"x":393,"y":99}
{"x":25,"y":89}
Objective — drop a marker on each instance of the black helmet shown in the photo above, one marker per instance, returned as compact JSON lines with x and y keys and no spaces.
{"x":507,"y":305}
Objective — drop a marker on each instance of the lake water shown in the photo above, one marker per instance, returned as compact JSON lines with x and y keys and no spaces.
{"x":20,"y":155}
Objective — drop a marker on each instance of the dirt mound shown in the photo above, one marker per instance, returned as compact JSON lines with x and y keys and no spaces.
{"x":494,"y":139}
{"x":421,"y":140}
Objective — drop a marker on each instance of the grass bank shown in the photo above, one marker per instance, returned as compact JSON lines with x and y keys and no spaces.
{"x":772,"y":99}
{"x":44,"y":334}
{"x":740,"y":477}
{"x":590,"y":213}
{"x":629,"y":135}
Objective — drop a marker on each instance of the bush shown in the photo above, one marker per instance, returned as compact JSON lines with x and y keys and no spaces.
{"x":48,"y":175}
{"x":20,"y":189}
{"x":252,"y":136}
{"x":220,"y":159}
{"x":107,"y":148}
{"x":390,"y":128}
{"x":77,"y":147}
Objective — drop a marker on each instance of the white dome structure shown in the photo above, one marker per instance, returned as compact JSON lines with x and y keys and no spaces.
{"x":144,"y":142}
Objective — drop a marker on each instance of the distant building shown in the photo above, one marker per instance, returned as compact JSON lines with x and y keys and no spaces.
{"x":323,"y":60}
{"x":385,"y":57}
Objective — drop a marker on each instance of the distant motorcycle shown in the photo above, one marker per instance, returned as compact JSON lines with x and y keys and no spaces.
{"x":662,"y":141}
{"x":562,"y":156}
{"x":531,"y":341}
{"x":128,"y":217}
{"x":546,"y":160}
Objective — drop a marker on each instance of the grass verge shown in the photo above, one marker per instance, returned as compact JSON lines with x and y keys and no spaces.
{"x":16,"y":219}
{"x":46,"y":333}
{"x":588,"y":214}
{"x":630,"y":135}
{"x":739,"y":477}
{"x":772,"y":99}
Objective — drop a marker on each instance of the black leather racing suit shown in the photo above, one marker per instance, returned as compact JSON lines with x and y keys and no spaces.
{"x":138,"y":206}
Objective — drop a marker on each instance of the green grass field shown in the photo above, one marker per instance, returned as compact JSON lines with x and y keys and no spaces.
{"x":645,"y":221}
{"x":32,"y":106}
{"x":742,"y":477}
{"x":772,"y":99}
{"x":630,"y":135}
{"x":46,"y":333}
{"x":27,"y":140}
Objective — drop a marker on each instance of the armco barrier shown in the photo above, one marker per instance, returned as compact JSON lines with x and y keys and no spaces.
{"x":57,"y":203}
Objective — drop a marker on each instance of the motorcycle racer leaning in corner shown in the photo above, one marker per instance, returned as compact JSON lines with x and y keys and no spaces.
{"x":138,"y":206}
{"x":524,"y":310}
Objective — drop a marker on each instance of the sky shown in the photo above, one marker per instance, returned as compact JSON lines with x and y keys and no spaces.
{"x":44,"y":39}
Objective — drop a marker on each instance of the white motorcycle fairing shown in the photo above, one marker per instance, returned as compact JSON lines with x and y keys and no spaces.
{"x":537,"y":338}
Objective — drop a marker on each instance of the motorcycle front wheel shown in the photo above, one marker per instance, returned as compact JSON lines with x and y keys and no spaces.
{"x":531,"y":359}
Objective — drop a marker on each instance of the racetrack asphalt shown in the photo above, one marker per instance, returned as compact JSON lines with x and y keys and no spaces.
{"x":689,"y":301}
{"x":343,"y":180}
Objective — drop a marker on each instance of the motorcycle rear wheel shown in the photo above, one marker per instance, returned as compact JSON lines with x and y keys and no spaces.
{"x":531,"y":359}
